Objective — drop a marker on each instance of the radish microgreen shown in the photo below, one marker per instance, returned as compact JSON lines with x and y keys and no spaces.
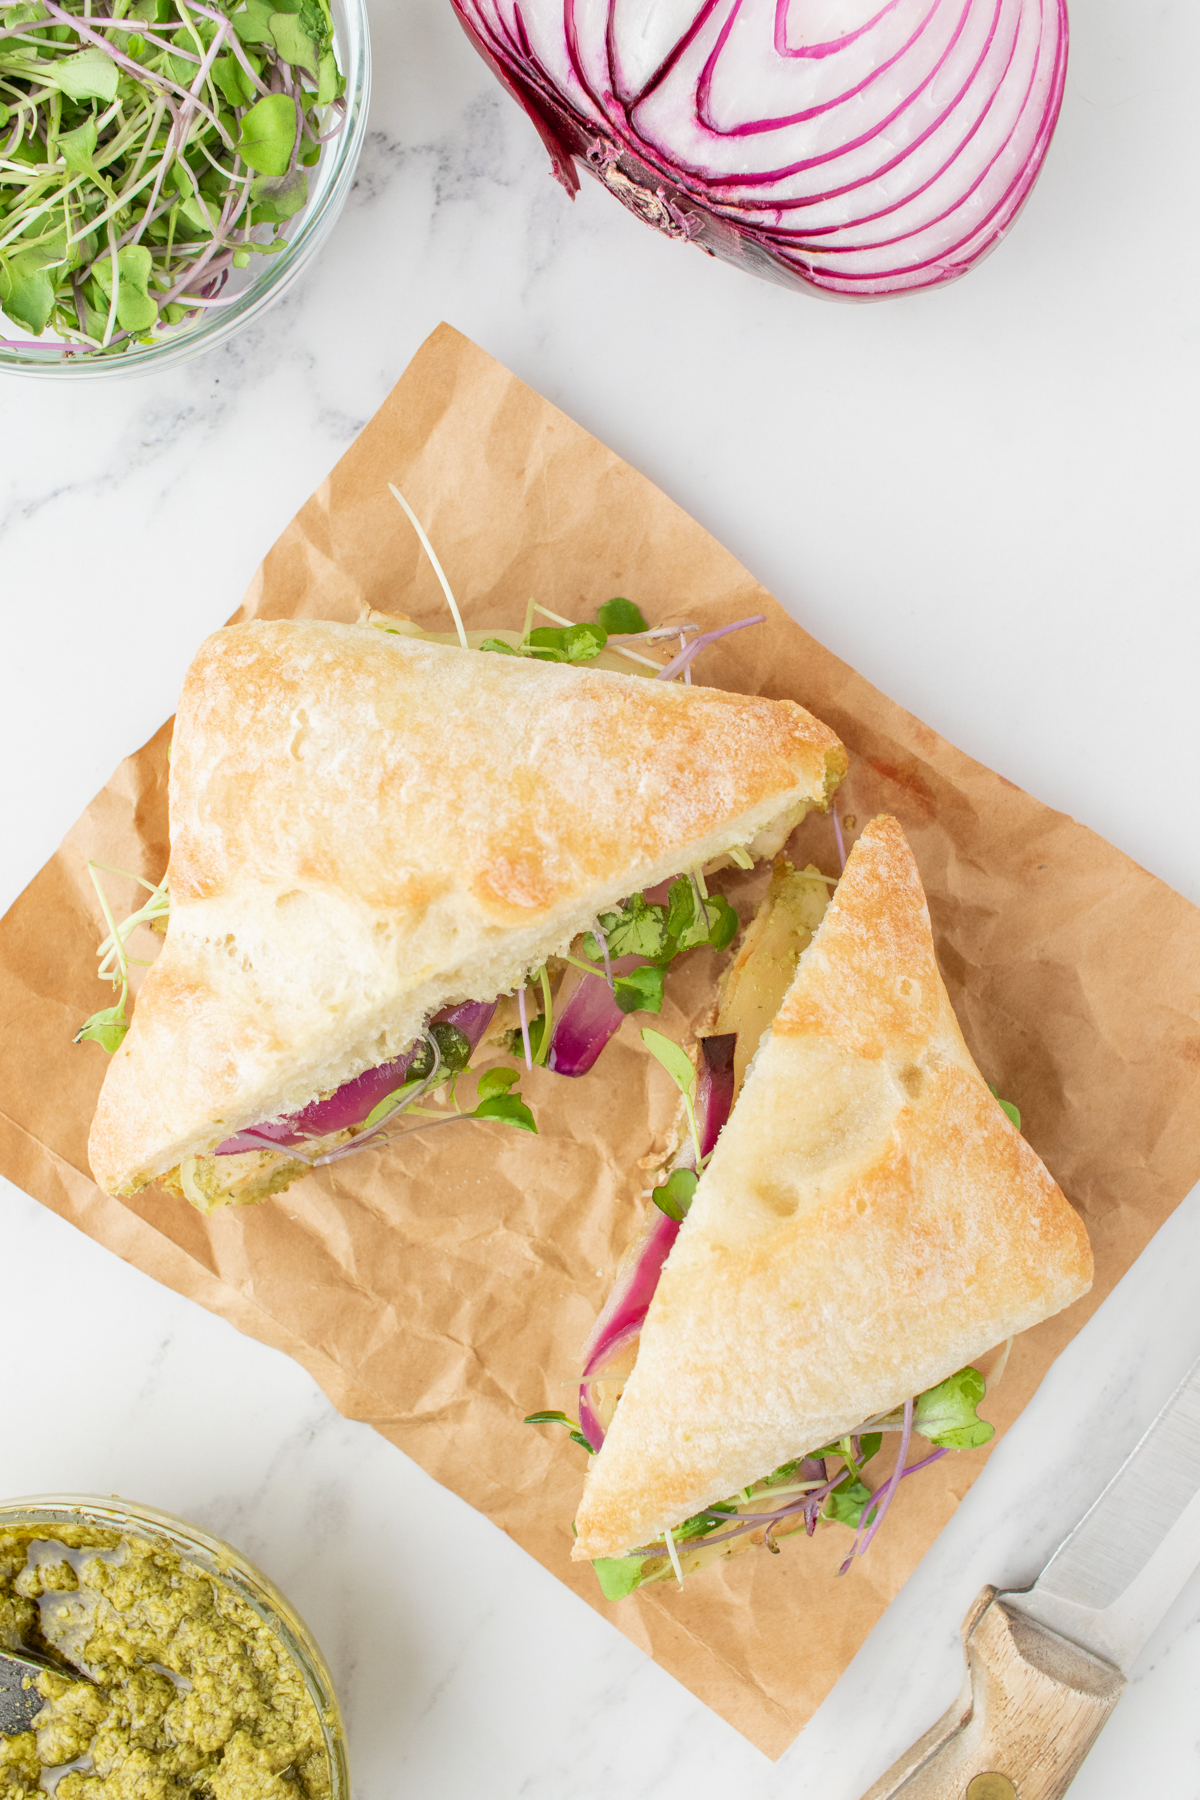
{"x":108,"y":1027}
{"x":679,"y":1067}
{"x":144,"y":150}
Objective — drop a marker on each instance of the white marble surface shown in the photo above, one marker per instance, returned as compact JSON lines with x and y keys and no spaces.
{"x":984,"y":498}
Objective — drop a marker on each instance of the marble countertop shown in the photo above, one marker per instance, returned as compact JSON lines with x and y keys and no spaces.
{"x":984,"y":498}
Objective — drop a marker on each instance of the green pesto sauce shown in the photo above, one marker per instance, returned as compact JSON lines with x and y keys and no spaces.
{"x":193,"y":1694}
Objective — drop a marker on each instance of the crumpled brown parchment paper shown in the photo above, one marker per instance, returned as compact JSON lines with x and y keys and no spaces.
{"x":442,"y":1289}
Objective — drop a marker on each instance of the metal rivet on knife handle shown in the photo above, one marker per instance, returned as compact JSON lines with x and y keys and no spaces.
{"x":991,"y":1786}
{"x":1031,"y":1707}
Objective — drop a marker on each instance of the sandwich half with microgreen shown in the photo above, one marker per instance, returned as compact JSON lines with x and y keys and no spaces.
{"x":396,"y":859}
{"x":853,"y":1230}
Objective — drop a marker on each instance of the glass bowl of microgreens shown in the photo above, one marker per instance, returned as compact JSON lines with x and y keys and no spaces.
{"x":167,"y":168}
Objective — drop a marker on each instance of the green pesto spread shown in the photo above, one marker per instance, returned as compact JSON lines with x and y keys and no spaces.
{"x":191,"y":1693}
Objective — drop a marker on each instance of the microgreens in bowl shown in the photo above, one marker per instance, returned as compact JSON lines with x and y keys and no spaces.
{"x":147,"y":152}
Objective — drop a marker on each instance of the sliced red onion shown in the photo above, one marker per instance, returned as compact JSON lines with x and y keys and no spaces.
{"x":625,"y":1309}
{"x":669,"y":671}
{"x":855,"y":148}
{"x":714,"y":1088}
{"x":589,"y":1423}
{"x":350,"y":1104}
{"x":589,"y":1019}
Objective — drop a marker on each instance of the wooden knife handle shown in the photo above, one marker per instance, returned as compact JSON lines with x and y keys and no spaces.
{"x":1031,"y":1706}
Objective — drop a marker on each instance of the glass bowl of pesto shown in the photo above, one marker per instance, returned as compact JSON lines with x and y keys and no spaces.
{"x":180,"y":1661}
{"x":167,"y":170}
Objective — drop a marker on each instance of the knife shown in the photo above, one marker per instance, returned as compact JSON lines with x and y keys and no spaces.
{"x":1046,"y":1666}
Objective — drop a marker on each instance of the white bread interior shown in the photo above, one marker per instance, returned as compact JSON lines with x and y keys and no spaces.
{"x":869,"y":1223}
{"x":366,"y":827}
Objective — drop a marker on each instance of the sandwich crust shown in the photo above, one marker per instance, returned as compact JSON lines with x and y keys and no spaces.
{"x":869,"y":1223}
{"x":366,"y":827}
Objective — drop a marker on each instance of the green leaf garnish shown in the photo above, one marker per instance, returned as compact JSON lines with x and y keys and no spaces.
{"x":620,"y":618}
{"x":674,"y":1195}
{"x":847,"y":1501}
{"x":105,"y":1028}
{"x":945,"y":1415}
{"x":716,"y":925}
{"x":136,"y":310}
{"x":27,"y":290}
{"x":499,"y":646}
{"x":496,"y":1081}
{"x":641,"y":990}
{"x":560,"y":1418}
{"x":637,"y":929}
{"x":276,"y":198}
{"x":1006,"y":1106}
{"x":618,"y":1575}
{"x":675,"y":1061}
{"x":681,"y":907}
{"x":88,"y":75}
{"x":679,"y":1067}
{"x":268,"y":135}
{"x":508,"y":1107}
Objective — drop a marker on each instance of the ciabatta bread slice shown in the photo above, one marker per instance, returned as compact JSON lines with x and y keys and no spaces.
{"x":869,"y":1223}
{"x":366,"y":827}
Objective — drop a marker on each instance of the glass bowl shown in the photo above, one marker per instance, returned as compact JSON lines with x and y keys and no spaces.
{"x":225,"y":1565}
{"x":254,"y":289}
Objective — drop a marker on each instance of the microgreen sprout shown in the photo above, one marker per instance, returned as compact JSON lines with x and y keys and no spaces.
{"x":543,"y":1049}
{"x":524,"y":1016}
{"x":108,"y":1027}
{"x":679,"y":1067}
{"x":560,"y":1418}
{"x":674,"y":1195}
{"x":437,"y":567}
{"x":143,"y":148}
{"x":691,"y":650}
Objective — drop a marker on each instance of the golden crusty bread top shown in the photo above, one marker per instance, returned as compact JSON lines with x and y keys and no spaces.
{"x":366,"y":827}
{"x":869,"y":1223}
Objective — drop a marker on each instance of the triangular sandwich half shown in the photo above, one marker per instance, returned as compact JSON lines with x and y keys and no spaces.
{"x":869,"y":1223}
{"x":367,"y":827}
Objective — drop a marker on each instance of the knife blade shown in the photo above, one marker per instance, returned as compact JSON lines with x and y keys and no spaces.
{"x":1111,"y":1579}
{"x":1046,"y":1665}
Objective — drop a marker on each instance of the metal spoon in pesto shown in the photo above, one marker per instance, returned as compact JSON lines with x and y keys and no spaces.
{"x":20,"y":1701}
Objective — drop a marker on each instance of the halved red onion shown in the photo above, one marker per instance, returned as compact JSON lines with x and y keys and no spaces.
{"x":350,"y":1104}
{"x":857,"y":148}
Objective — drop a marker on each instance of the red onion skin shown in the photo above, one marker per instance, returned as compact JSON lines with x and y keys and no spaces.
{"x":354,"y":1100}
{"x":683,"y":204}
